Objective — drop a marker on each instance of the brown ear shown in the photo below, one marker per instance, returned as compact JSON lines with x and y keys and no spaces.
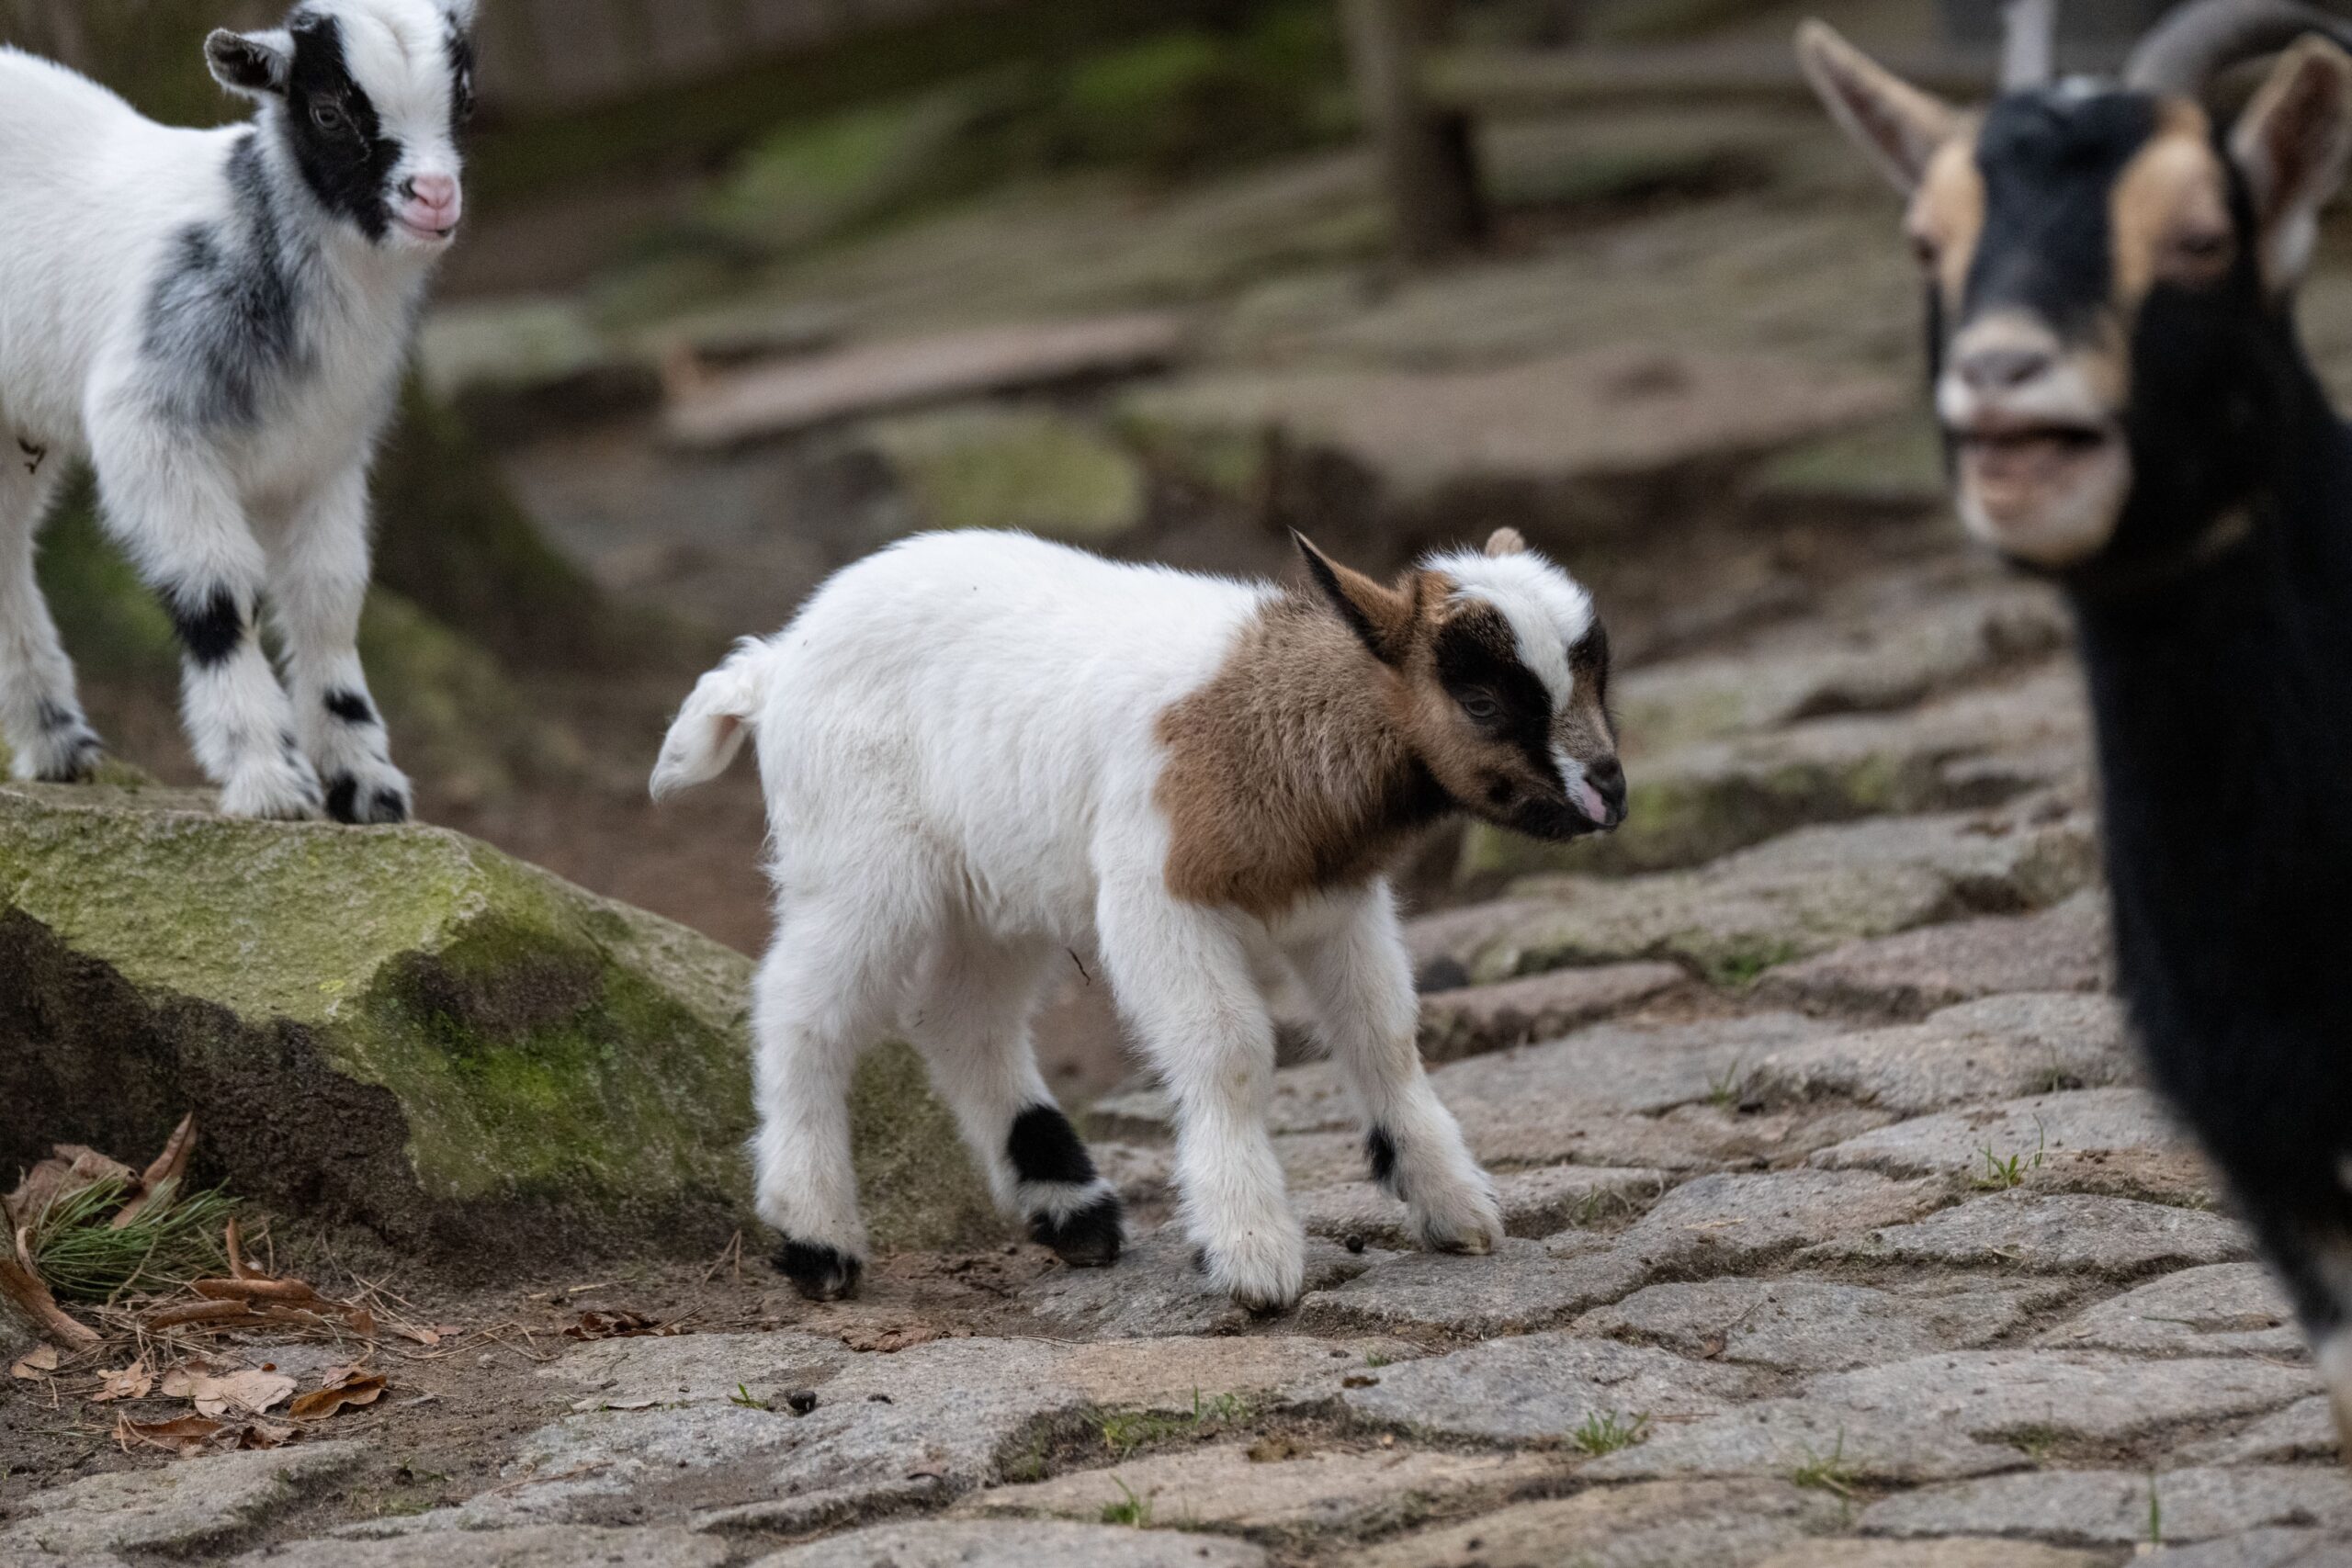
{"x":1899,"y":126}
{"x":1381,"y":617}
{"x":2291,"y":143}
{"x":1507,"y":542}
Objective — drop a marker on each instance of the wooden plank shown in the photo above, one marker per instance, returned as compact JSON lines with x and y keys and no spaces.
{"x":1427,"y":158}
{"x":1525,"y":84}
{"x":715,"y":412}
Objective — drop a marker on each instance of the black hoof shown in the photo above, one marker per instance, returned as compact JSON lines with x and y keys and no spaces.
{"x":819,"y":1273}
{"x":381,"y":810}
{"x":1089,"y":1238}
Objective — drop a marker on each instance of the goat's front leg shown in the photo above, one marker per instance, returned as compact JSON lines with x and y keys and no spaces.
{"x":1182,"y":978}
{"x":176,"y":510}
{"x":1352,"y":956}
{"x":318,"y":584}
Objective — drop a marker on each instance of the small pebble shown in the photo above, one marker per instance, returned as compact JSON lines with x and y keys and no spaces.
{"x":800,"y":1400}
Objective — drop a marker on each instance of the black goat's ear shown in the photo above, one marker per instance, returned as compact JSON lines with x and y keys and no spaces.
{"x":258,"y":65}
{"x":2291,"y":144}
{"x":1382,"y":617}
{"x":1899,"y":126}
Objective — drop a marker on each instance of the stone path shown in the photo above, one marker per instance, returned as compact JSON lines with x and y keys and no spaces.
{"x":1843,"y":1234}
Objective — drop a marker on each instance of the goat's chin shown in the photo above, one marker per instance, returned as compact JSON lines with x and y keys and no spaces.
{"x":1553,"y":821}
{"x":2052,"y":508}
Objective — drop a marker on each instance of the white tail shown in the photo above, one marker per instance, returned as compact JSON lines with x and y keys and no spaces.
{"x":710,"y":728}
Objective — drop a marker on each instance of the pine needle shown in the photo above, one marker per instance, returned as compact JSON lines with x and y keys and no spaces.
{"x":171,"y":1241}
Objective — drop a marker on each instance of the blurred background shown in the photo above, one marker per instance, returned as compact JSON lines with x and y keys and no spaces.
{"x":754,"y":286}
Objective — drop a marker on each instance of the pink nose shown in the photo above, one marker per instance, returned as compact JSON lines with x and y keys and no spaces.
{"x":437,"y":197}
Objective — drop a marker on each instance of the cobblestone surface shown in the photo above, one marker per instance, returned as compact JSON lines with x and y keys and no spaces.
{"x":1842,"y":1235}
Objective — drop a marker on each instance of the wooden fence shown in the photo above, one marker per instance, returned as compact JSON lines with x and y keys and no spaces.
{"x":538,"y":56}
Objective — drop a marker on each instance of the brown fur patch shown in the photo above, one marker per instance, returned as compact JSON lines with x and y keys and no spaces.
{"x":2172,"y":194}
{"x":1290,"y":772}
{"x":1947,"y":214}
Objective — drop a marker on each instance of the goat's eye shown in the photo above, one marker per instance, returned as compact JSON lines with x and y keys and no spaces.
{"x":1925,"y":251}
{"x":2204,"y":249}
{"x":328,"y":117}
{"x":1482,"y":706}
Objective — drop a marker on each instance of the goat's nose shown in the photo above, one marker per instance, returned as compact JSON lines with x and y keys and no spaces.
{"x":436,"y":191}
{"x":1607,"y":777}
{"x":2004,"y":369}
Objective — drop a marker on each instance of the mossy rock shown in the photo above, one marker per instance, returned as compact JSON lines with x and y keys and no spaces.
{"x":1026,"y":468}
{"x":405,"y":1029}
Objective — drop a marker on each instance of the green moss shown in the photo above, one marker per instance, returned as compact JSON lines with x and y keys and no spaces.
{"x":542,"y":1051}
{"x":113,"y":626}
{"x":1033,"y":470}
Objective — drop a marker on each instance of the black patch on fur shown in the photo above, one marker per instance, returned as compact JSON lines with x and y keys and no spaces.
{"x":53,"y":718}
{"x":1478,"y":658}
{"x":388,"y":809}
{"x":331,"y":126}
{"x":1380,"y":1153}
{"x":351,"y":707}
{"x":1588,"y":663}
{"x":342,"y":798}
{"x":2050,"y":162}
{"x":220,"y":319}
{"x":1044,"y":1146}
{"x":1088,"y":1239}
{"x":461,"y":79}
{"x":1327,"y":582}
{"x":211,"y":630}
{"x":819,"y":1273}
{"x":380,"y":809}
{"x":34,"y":455}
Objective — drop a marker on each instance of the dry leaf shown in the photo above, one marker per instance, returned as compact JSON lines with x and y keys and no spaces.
{"x":253,"y":1289}
{"x":348,"y":1385}
{"x":262,"y":1434}
{"x":132,"y":1382}
{"x":239,"y":1393}
{"x":427,"y":1338}
{"x":73,"y":1167}
{"x":890,"y":1341}
{"x":183,"y":1434}
{"x":617,"y":1326}
{"x":164,"y":1170}
{"x":42,"y":1359}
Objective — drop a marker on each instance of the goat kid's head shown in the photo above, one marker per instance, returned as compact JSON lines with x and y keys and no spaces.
{"x":2105,"y":267}
{"x":1500,"y":671}
{"x":370,"y":98}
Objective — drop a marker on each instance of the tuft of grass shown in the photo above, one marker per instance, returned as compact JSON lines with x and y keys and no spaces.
{"x":2035,"y":1442}
{"x":747,"y":1399}
{"x":2155,"y":1516}
{"x":1727,"y":1090}
{"x":1126,"y":1431}
{"x":1604,"y":1432}
{"x":2005,"y":1171}
{"x":1130,"y":1509}
{"x":1829,"y":1473}
{"x":1375,"y":1360}
{"x":174,"y":1239}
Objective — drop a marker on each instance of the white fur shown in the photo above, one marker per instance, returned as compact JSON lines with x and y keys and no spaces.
{"x":269,"y":509}
{"x":956,"y":739}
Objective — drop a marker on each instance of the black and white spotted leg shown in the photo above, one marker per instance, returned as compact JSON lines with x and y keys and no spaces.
{"x":40,"y":716}
{"x":318,"y":582}
{"x":972,"y":1026}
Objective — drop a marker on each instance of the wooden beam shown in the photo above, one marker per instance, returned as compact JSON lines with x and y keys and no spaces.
{"x":1429,"y":156}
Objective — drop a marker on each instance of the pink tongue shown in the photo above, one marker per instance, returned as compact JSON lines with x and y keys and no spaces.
{"x":1588,"y":801}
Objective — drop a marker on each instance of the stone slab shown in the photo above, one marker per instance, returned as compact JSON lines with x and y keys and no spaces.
{"x":1662,"y":1525}
{"x":1017,"y":1543}
{"x":1541,"y":1388}
{"x":1523,"y":1285}
{"x":2222,"y":1309}
{"x":2002,"y":1048}
{"x":2121,"y":1506}
{"x":2064,"y":948}
{"x":531,"y":1546}
{"x":2066,"y":1232}
{"x":1536,"y":1203}
{"x":2035,"y":1132}
{"x":2087,"y":1395}
{"x":1235,"y":1486}
{"x":1478,"y":1018}
{"x":1720,"y":1224}
{"x":1777,"y":1438}
{"x":179,"y":1508}
{"x":1811,"y":1326}
{"x":1954,"y":1551}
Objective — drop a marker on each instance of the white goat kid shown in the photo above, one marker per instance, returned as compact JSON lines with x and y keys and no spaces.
{"x":218,"y":319}
{"x":982,"y":752}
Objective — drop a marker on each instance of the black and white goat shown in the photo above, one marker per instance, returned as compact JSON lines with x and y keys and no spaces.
{"x":982,"y":752}
{"x":2128,"y":408}
{"x":218,"y":319}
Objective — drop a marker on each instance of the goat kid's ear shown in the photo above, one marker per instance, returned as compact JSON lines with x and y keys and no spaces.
{"x":258,"y":65}
{"x":1380,"y":615}
{"x":1899,"y":126}
{"x":2291,"y":143}
{"x":1507,"y":542}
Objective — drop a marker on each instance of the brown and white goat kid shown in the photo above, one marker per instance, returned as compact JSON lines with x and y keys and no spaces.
{"x":982,"y":752}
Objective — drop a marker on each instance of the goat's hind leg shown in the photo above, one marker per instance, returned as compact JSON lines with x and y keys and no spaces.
{"x":41,"y":716}
{"x":826,"y":991}
{"x":972,"y":1025}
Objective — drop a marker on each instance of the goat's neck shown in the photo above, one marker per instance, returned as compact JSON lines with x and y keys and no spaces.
{"x":2222,"y":695}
